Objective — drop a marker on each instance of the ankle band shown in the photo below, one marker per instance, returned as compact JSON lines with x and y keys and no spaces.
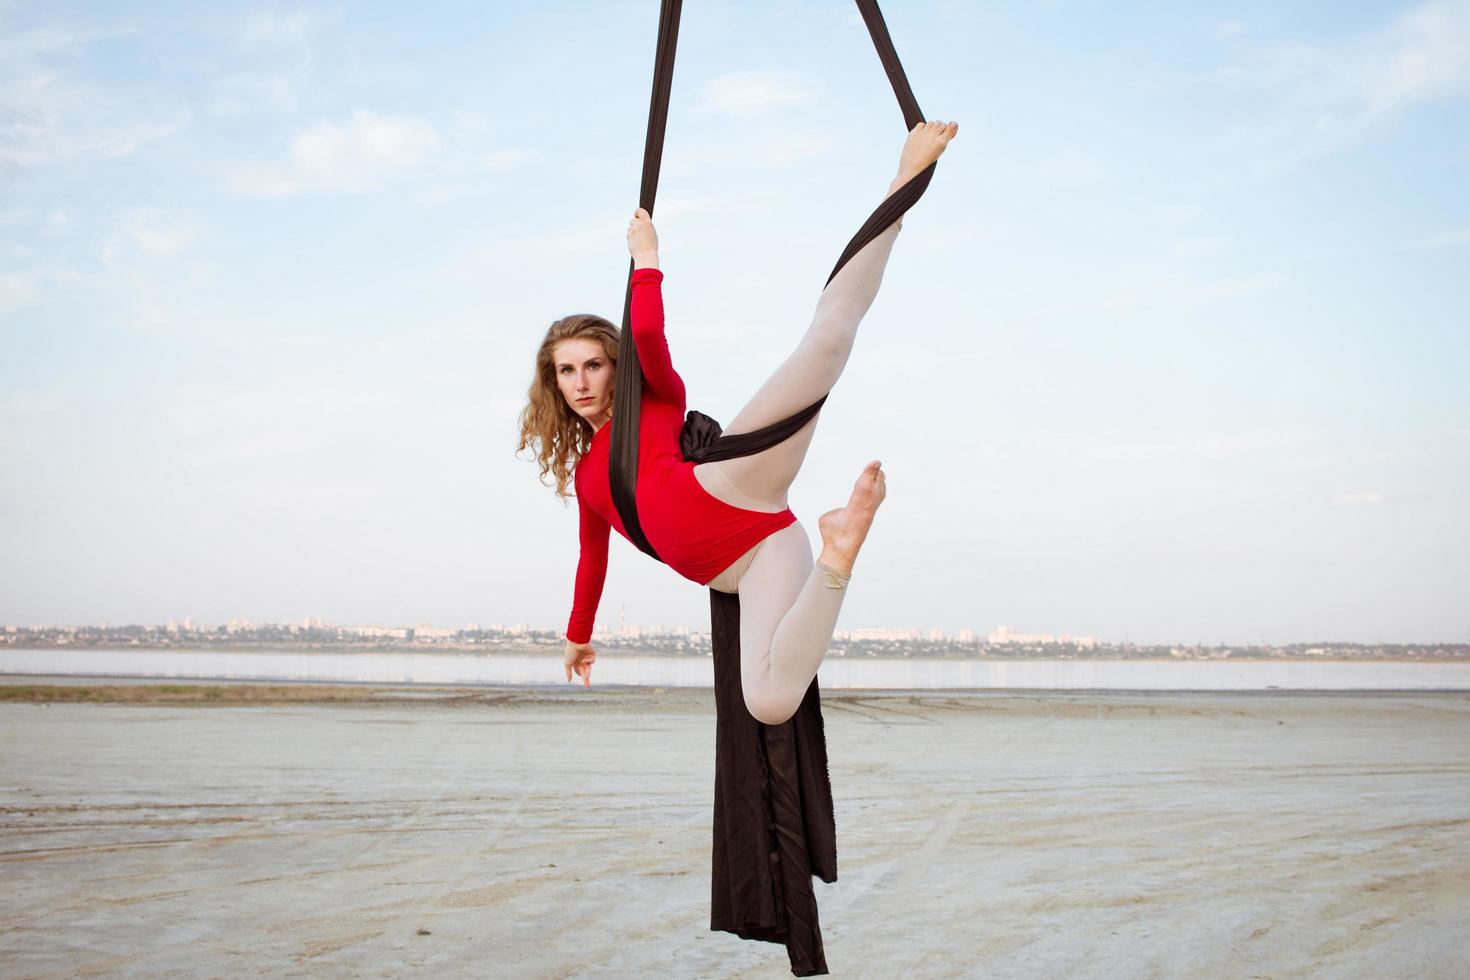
{"x":834,"y":579}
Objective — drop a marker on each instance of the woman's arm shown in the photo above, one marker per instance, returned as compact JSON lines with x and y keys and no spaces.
{"x":647,"y":313}
{"x":647,"y":318}
{"x":593,"y":533}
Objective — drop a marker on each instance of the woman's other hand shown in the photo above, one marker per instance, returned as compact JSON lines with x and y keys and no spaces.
{"x":643,"y":240}
{"x":580,"y":657}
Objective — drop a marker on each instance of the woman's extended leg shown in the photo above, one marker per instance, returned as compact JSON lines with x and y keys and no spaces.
{"x":789,"y":604}
{"x":788,"y":610}
{"x":760,"y":481}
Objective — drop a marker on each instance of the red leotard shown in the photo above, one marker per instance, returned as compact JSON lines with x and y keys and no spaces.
{"x":696,"y":534}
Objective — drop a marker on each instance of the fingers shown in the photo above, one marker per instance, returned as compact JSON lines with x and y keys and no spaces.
{"x":583,"y":668}
{"x":641,"y":219}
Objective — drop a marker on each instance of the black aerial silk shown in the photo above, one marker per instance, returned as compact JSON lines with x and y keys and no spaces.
{"x":773,"y":823}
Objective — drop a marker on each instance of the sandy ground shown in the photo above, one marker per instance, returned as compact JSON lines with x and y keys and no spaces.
{"x":566,"y":833}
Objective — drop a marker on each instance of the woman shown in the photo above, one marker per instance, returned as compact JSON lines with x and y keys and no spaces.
{"x":723,"y":524}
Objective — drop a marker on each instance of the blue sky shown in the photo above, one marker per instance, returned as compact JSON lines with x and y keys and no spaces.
{"x":1173,"y":349}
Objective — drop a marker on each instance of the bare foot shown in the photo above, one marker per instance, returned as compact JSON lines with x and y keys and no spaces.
{"x":925,"y":143}
{"x":844,"y":529}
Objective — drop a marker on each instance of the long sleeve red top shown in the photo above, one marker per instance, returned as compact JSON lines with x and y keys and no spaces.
{"x":696,"y":534}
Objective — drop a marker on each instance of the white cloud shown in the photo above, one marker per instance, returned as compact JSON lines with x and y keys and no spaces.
{"x":49,"y":112}
{"x":163,"y":238}
{"x":1325,"y":96}
{"x":1424,"y":57}
{"x":768,"y":152}
{"x":252,"y":91}
{"x":1445,"y":239}
{"x":279,"y":46}
{"x":149,"y":231}
{"x":20,"y":288}
{"x":756,"y":90}
{"x":16,"y":289}
{"x":364,"y":153}
{"x":272,"y":27}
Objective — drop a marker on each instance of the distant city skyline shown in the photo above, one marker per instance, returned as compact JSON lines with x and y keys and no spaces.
{"x":1173,"y":348}
{"x":1001,"y":635}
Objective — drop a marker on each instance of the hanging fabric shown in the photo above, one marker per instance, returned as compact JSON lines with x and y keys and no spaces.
{"x":773,"y":820}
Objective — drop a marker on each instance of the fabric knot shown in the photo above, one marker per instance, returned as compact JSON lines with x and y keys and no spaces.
{"x":699,"y":432}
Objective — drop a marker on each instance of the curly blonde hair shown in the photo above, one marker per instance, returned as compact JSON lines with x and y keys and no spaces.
{"x":557,"y":435}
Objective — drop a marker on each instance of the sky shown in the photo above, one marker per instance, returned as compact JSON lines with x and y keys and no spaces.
{"x":1173,"y":350}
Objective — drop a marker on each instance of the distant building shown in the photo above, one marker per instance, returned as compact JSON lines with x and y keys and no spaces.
{"x":878,"y":633}
{"x":1004,"y":635}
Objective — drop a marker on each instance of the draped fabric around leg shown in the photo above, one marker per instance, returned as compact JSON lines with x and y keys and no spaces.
{"x":773,"y":824}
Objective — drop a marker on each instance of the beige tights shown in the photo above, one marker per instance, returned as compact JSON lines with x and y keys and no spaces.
{"x":788,"y":602}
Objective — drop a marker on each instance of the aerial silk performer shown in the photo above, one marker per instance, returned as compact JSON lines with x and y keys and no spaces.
{"x":713,"y":506}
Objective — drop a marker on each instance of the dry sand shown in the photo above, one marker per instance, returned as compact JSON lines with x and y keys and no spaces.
{"x":566,"y":833}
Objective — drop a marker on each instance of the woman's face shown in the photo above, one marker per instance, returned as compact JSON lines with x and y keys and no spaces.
{"x":585,"y":376}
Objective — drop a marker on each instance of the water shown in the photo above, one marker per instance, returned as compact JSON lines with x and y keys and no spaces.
{"x":836,"y":673}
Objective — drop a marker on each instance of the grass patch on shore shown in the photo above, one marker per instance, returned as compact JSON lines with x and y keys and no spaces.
{"x":183,"y":693}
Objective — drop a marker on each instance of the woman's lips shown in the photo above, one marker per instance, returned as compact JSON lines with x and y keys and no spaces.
{"x":587,"y":399}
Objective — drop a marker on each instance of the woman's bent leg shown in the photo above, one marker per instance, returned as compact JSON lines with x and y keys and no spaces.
{"x":806,"y":375}
{"x":788,"y":610}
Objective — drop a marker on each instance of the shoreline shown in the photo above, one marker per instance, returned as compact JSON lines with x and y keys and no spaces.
{"x":44,"y":689}
{"x":532,"y":650}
